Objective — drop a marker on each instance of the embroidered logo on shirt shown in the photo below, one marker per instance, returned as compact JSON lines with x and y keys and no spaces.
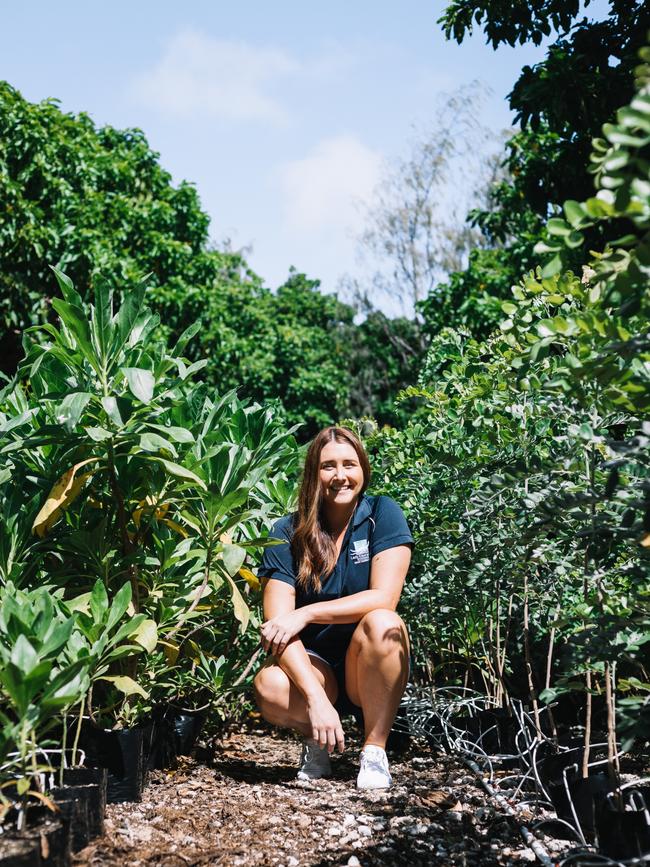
{"x":360,"y":552}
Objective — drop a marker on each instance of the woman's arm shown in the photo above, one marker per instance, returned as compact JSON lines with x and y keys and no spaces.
{"x":387,"y":573}
{"x":280,"y":599}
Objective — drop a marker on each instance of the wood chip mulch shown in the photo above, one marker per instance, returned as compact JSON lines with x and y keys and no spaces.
{"x":246,"y":809}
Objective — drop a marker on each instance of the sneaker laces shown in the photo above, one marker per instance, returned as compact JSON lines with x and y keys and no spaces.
{"x":373,"y":760}
{"x":313,"y":754}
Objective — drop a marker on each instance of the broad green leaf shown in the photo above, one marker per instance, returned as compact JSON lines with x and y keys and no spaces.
{"x":552,"y":267}
{"x":141,"y":382}
{"x":178,"y":434}
{"x":70,"y":410}
{"x":23,"y":655}
{"x":98,"y":601}
{"x":67,"y":288}
{"x":75,"y":320}
{"x":125,"y":684}
{"x":119,"y":605}
{"x":233,"y":558}
{"x":112,"y":410}
{"x":575,"y":213}
{"x":180,"y":472}
{"x":186,"y":336}
{"x":152,"y":442}
{"x":98,"y":434}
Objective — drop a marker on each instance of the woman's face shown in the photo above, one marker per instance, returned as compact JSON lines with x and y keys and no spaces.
{"x":341,"y":476}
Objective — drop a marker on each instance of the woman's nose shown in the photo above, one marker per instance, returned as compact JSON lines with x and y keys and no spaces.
{"x":340,"y":472}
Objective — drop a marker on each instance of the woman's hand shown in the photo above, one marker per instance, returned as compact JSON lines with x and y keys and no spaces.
{"x":277,"y":632}
{"x":325,"y":723}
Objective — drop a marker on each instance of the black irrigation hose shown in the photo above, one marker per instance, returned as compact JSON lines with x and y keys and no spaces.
{"x":429,"y":715}
{"x":528,"y":837}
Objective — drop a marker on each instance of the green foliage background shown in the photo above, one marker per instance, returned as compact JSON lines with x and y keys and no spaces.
{"x":96,"y":201}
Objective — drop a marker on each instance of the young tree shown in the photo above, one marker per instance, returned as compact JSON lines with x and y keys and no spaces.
{"x":416,"y":224}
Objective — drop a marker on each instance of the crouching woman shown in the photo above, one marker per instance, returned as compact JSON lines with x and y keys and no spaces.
{"x":330,"y":593}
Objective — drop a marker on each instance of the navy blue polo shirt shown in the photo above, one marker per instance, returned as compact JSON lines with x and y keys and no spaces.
{"x":378,"y":523}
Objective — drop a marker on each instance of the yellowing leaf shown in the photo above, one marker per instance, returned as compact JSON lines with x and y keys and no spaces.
{"x":242,"y":611}
{"x":147,"y":505}
{"x":64,"y":491}
{"x":125,"y":684}
{"x":146,"y":635}
{"x":170,"y":649}
{"x":250,"y":578}
{"x":175,"y":527}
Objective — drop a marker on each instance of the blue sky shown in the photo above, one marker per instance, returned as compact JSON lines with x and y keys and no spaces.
{"x":282,"y":113}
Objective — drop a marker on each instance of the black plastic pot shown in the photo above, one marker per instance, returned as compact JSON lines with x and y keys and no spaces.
{"x":175,"y":731}
{"x":584,"y":800}
{"x":93,"y":783}
{"x":187,"y":728}
{"x":120,"y":751}
{"x":148,"y":740}
{"x":623,"y":825}
{"x":126,"y":784}
{"x":492,"y":730}
{"x":551,"y":763}
{"x":74,"y":813}
{"x":162,"y":751}
{"x":20,"y":853}
{"x":45,"y":834}
{"x":102,"y":748}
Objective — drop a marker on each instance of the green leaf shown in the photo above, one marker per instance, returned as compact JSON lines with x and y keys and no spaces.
{"x":77,"y":323}
{"x":23,"y":655}
{"x":152,"y":442}
{"x":180,"y":472}
{"x":178,"y":434}
{"x":233,"y":558}
{"x":575,"y":213}
{"x":559,"y":227}
{"x":186,"y":336}
{"x":98,"y":601}
{"x":553,"y":267}
{"x":98,"y":434}
{"x":119,"y":605}
{"x":69,"y":411}
{"x":67,"y":288}
{"x":141,"y":382}
{"x":125,"y":684}
{"x":112,"y":410}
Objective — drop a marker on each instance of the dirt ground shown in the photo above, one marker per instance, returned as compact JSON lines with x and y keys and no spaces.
{"x":245,"y":808}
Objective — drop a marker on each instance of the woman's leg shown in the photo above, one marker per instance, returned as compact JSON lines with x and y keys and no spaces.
{"x":279,"y":700}
{"x":376,"y":671}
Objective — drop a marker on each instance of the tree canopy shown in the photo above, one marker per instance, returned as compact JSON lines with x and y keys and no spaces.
{"x":546,"y":158}
{"x":92,"y":201}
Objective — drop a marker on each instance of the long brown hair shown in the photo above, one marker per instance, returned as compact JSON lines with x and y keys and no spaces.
{"x":313,"y":548}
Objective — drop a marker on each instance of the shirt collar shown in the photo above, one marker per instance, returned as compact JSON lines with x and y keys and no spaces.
{"x":362,"y":511}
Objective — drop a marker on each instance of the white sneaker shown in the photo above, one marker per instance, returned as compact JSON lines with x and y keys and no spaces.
{"x":374,"y":773}
{"x":314,"y":761}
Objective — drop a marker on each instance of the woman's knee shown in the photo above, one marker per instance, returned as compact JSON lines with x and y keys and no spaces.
{"x":271,"y":688}
{"x":383,"y":628}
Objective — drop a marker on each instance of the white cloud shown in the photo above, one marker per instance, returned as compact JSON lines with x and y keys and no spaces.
{"x":323,"y":189}
{"x":201,"y":75}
